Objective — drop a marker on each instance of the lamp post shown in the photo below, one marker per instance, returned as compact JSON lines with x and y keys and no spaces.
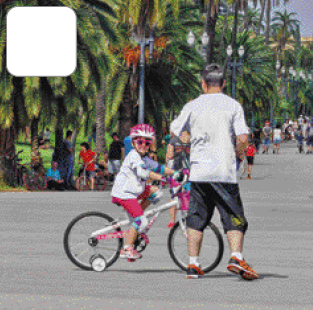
{"x":234,"y":65}
{"x":143,"y":42}
{"x":204,"y":40}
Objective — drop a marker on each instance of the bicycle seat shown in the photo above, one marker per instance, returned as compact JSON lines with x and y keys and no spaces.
{"x":115,"y":201}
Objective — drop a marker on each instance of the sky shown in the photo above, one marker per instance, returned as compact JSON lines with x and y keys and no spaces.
{"x":304,"y":10}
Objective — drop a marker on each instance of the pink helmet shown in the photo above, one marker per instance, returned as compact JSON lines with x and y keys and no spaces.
{"x":142,"y":130}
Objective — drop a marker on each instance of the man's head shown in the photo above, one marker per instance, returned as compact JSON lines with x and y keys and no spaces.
{"x":115,"y":136}
{"x":213,"y":79}
{"x":304,"y":121}
{"x":47,"y":129}
{"x":85,"y":146}
{"x":267,"y":124}
{"x":54,"y":165}
{"x":69,"y":134}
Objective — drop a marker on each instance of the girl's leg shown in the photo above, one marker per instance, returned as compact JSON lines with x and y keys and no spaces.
{"x":277,"y":148}
{"x":249,"y":171}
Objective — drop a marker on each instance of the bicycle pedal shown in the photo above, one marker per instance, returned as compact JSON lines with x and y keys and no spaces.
{"x":131,"y":260}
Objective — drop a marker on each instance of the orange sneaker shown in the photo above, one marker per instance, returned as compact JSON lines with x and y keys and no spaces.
{"x":240,"y":267}
{"x":194,"y":272}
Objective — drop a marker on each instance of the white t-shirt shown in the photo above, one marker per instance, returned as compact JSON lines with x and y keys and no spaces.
{"x":214,"y":121}
{"x":128,"y":185}
{"x":277,"y":133}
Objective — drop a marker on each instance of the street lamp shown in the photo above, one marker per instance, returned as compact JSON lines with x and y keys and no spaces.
{"x":204,"y":40}
{"x":143,"y":42}
{"x":234,"y":65}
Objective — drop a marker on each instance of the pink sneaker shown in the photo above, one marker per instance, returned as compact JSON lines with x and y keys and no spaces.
{"x":130,"y":253}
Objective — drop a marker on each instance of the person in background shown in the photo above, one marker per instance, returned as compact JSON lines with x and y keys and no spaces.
{"x":89,"y":158}
{"x":304,"y":126}
{"x":178,"y":148}
{"x":250,"y":152}
{"x":166,"y":139}
{"x":309,"y":137}
{"x":257,"y":137}
{"x":116,"y":155}
{"x":93,"y":135}
{"x":53,"y":178}
{"x":128,"y":145}
{"x":69,"y":167}
{"x":277,"y":138}
{"x":267,"y":130}
{"x":299,"y":137}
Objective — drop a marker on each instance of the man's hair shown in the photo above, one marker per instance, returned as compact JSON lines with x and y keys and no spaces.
{"x":85,"y":145}
{"x":47,"y":129}
{"x":213,"y":75}
{"x":114,"y":134}
{"x":278,"y":125}
{"x":69,"y":133}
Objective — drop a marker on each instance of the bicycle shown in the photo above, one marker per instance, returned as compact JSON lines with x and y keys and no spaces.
{"x":99,"y":247}
{"x":82,"y":183}
{"x":33,"y":180}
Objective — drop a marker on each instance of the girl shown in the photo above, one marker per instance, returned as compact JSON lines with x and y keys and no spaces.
{"x":277,"y":138}
{"x":250,"y":152}
{"x":130,"y":189}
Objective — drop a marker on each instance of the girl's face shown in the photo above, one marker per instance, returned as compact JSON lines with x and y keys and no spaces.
{"x":141,"y":145}
{"x":83,"y":149}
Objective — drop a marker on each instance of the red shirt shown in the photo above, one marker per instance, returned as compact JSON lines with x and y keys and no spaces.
{"x":251,"y":150}
{"x":87,"y":157}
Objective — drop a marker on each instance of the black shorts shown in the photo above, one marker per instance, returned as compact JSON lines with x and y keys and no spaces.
{"x":205,"y":196}
{"x":250,"y":160}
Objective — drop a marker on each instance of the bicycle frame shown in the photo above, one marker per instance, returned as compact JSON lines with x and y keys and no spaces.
{"x":101,"y":234}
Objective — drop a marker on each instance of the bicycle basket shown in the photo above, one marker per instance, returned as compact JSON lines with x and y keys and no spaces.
{"x":184,"y":200}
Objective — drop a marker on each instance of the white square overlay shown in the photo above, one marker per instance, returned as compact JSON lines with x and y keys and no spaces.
{"x":41,"y":41}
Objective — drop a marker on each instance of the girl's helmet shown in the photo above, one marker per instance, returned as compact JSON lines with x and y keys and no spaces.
{"x":142,"y":130}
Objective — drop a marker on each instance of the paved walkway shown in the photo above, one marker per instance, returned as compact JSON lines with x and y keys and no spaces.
{"x":36,"y":274}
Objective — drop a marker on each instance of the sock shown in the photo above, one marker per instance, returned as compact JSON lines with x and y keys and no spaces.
{"x":194,"y":260}
{"x":238,"y":255}
{"x":126,"y":247}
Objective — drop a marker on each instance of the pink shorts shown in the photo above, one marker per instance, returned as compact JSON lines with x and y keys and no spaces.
{"x":132,"y":206}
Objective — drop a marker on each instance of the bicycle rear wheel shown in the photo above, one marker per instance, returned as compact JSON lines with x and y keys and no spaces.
{"x":82,"y":184}
{"x":211,"y":251}
{"x":29,"y":182}
{"x":77,"y":234}
{"x":41,"y":182}
{"x":100,"y":183}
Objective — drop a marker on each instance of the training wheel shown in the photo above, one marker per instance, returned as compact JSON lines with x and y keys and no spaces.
{"x":98,"y":263}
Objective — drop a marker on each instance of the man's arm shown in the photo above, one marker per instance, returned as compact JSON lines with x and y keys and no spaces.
{"x":241,"y":144}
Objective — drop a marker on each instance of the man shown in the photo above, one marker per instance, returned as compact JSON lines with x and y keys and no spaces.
{"x":89,"y":158}
{"x":304,"y":127}
{"x":69,"y":168}
{"x":309,"y":137}
{"x":267,"y":130}
{"x":116,"y":154}
{"x":219,"y":135}
{"x":53,"y":178}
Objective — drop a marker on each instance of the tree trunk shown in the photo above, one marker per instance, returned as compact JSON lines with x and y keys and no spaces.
{"x":235,"y":25}
{"x":100,"y":120}
{"x":34,"y":137}
{"x":209,"y":28}
{"x":76,"y":132}
{"x":263,"y":3}
{"x":7,"y":147}
{"x":268,"y":22}
{"x":222,"y":36}
{"x":246,"y":15}
{"x":125,"y":114}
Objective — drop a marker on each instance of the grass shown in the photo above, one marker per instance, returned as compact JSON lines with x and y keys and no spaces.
{"x":46,"y":154}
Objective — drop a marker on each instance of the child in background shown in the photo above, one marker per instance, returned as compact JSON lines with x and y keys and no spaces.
{"x":250,"y":152}
{"x":300,"y":138}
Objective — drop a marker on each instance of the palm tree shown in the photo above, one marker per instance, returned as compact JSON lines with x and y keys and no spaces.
{"x":283,"y":28}
{"x":79,"y":89}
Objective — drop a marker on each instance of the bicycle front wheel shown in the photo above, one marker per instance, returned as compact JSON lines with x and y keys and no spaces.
{"x":77,"y":235}
{"x":211,"y":251}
